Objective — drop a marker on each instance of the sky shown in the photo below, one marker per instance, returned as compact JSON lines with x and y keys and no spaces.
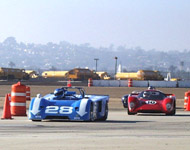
{"x":150,"y":24}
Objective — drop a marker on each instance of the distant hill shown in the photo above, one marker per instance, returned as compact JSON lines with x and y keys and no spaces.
{"x":65,"y":56}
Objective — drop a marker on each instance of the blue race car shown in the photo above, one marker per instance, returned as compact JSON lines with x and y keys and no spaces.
{"x":70,"y":103}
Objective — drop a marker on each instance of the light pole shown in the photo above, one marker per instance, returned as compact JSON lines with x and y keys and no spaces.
{"x":96,"y":59}
{"x":115,"y":66}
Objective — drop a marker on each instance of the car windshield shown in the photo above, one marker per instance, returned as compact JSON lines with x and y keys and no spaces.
{"x":69,"y":93}
{"x":152,"y":95}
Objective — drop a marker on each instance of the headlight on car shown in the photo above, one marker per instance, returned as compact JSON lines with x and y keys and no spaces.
{"x":132,"y":104}
{"x":168,"y":106}
{"x":124,"y":99}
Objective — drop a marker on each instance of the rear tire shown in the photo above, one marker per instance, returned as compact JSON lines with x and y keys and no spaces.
{"x":91,"y":113}
{"x":104,"y":118}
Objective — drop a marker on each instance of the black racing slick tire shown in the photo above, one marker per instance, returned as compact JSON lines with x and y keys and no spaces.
{"x":36,"y":120}
{"x":91,"y":113}
{"x":104,"y":118}
{"x":130,"y":113}
{"x":172,"y":113}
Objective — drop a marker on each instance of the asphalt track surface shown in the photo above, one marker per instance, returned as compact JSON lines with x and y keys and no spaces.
{"x":120,"y":131}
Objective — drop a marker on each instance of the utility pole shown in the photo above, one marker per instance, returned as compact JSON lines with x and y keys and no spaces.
{"x":96,"y":59}
{"x":115,"y":66}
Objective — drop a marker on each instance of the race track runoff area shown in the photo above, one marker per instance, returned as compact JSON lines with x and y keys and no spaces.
{"x":120,"y":131}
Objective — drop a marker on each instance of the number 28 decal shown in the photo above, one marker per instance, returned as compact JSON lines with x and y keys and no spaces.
{"x":59,"y":110}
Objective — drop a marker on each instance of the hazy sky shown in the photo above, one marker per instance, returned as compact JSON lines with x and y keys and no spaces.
{"x":158,"y":24}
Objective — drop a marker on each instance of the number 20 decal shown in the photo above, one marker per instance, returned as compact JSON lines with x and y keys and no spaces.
{"x":60,"y":110}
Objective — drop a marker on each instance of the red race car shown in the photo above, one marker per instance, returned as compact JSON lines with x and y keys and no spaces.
{"x":151,"y":101}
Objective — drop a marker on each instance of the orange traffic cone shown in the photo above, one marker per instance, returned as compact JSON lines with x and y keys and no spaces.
{"x":9,"y":95}
{"x":188,"y":104}
{"x":69,"y":83}
{"x":6,"y":110}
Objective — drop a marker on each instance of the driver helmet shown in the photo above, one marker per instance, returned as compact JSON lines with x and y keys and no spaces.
{"x":146,"y":94}
{"x":151,"y":88}
{"x":58,"y":92}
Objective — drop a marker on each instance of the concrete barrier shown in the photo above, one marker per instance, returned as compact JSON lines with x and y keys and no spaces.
{"x":119,"y":83}
{"x":167,"y":84}
{"x":140,"y":83}
{"x":114,"y":83}
{"x":96,"y":83}
{"x":184,"y":84}
{"x":124,"y":83}
{"x":106,"y":83}
{"x":101,"y":83}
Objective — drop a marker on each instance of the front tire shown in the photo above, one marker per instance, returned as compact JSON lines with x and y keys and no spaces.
{"x":130,"y":113}
{"x":173,"y":111}
{"x":36,"y":120}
